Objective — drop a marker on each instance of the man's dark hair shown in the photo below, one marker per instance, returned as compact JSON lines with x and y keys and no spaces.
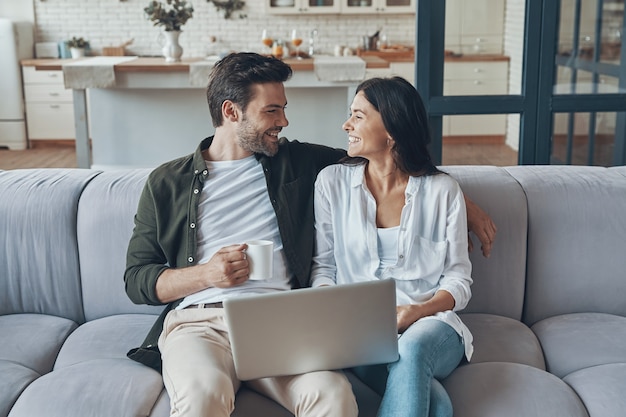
{"x":232,"y":79}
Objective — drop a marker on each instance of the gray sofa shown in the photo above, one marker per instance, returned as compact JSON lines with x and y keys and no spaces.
{"x":547,"y":314}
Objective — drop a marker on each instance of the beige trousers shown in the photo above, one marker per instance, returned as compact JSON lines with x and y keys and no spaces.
{"x":199,"y":373}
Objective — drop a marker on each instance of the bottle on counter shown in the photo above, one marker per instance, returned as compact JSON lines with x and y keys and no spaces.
{"x":278,"y":49}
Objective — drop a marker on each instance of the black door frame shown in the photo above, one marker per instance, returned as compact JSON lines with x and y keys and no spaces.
{"x":537,"y":102}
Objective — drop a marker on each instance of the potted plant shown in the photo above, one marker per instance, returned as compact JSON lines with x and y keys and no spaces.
{"x":77,"y":46}
{"x":228,"y":7}
{"x":172,"y":15}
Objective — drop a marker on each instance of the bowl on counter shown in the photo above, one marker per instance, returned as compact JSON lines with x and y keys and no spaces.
{"x":282,"y":3}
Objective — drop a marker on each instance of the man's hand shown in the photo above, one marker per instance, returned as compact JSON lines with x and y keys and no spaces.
{"x":228,"y":267}
{"x":483,"y":227}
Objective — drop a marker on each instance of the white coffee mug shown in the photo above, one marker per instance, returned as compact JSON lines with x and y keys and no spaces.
{"x":260,"y":255}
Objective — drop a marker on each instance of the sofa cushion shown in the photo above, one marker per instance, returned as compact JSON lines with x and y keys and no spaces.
{"x":601,"y":388}
{"x":39,"y":256}
{"x":33,"y":340}
{"x":92,"y":362}
{"x":498,"y":389}
{"x":15,"y":378}
{"x":105,"y":224}
{"x":100,"y":387}
{"x":576,"y":234}
{"x":576,"y":341}
{"x":107,"y":338}
{"x":501,"y":339}
{"x":499,"y":280}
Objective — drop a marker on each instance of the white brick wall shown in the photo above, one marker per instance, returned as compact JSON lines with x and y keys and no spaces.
{"x":111,"y":22}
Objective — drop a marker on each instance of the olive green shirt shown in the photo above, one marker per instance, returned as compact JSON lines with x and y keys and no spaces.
{"x":165,"y":224}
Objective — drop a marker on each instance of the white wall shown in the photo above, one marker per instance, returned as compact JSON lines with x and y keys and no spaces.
{"x":17,"y":9}
{"x":111,"y":22}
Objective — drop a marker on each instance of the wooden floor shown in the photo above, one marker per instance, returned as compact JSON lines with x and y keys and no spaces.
{"x":63,"y":156}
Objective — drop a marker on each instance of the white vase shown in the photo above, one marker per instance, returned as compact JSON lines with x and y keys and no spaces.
{"x":172,"y":51}
{"x":77,"y":52}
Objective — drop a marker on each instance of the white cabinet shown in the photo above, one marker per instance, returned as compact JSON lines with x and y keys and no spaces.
{"x":475,"y":78}
{"x":405,"y":70}
{"x":286,"y":7}
{"x":474,"y":27}
{"x":49,"y":106}
{"x":377,"y":6}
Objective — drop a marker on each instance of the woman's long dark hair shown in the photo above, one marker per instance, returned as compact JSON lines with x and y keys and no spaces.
{"x":404,"y":117}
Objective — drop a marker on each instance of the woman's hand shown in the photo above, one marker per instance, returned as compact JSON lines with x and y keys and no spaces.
{"x":407,"y":315}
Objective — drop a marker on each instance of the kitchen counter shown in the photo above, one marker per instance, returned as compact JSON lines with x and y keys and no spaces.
{"x":407,"y":55}
{"x":157,"y":64}
{"x":373,"y":59}
{"x":153,"y":112}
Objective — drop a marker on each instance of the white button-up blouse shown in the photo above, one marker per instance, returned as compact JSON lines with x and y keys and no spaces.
{"x":432,"y":246}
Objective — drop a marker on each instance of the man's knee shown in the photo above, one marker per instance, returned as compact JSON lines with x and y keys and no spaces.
{"x":203,"y":395}
{"x":332,"y":396}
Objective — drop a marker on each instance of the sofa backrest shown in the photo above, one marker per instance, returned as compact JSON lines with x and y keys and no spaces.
{"x":39,"y":269}
{"x":620,"y":170}
{"x":576,"y":240}
{"x":105,"y":223}
{"x":108,"y":205}
{"x":499,"y":280}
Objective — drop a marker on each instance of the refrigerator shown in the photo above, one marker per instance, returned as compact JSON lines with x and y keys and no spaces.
{"x":16,"y":43}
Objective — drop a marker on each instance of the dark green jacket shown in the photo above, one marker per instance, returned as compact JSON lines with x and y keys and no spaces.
{"x":165,"y":234}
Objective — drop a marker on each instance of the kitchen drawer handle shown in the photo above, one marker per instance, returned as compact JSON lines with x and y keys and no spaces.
{"x":478,"y":70}
{"x":54,"y":94}
{"x":55,"y":106}
{"x":476,"y":82}
{"x":53,"y":75}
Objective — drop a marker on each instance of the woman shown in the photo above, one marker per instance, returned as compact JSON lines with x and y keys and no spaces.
{"x":388,"y":213}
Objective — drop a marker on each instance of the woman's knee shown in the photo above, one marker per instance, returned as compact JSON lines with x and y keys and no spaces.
{"x":440,"y":403}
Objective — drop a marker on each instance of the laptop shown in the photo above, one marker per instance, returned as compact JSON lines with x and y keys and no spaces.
{"x":313,"y":329}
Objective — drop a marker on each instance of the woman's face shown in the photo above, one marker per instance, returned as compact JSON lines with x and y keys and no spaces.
{"x":367,"y":136}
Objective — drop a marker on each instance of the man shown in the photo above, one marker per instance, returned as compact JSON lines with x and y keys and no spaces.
{"x":243,"y":183}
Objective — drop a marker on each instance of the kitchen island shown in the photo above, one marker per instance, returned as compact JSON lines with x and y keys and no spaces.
{"x":155,"y":112}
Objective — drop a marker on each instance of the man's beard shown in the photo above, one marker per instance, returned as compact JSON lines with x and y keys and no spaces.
{"x":253,"y":141}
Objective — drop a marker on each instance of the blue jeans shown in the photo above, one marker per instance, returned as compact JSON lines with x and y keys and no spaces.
{"x":428,"y":349}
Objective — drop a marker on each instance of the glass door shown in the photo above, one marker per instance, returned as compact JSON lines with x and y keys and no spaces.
{"x":482,"y":57}
{"x":588,"y":63}
{"x":552,"y":89}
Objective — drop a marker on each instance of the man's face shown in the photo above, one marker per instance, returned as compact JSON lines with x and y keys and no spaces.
{"x":263,"y":119}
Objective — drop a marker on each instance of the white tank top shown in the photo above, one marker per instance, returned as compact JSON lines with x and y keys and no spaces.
{"x":387,"y":246}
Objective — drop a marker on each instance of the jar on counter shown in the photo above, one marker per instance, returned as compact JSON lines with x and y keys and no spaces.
{"x":278,"y":49}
